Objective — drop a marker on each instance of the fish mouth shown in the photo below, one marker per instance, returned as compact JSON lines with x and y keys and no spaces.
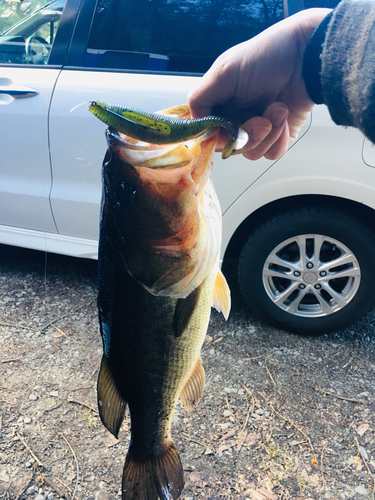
{"x":137,"y":145}
{"x":146,"y":156}
{"x":173,"y":182}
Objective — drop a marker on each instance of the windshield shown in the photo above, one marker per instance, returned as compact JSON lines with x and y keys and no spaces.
{"x":23,"y":17}
{"x":28,"y":29}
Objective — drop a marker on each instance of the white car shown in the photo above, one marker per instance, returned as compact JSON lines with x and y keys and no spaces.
{"x":302,"y":227}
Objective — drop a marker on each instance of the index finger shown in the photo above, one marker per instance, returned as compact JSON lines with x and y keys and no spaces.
{"x":216,"y":88}
{"x":200,"y":103}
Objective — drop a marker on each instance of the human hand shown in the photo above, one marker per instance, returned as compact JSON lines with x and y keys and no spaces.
{"x":258,"y":84}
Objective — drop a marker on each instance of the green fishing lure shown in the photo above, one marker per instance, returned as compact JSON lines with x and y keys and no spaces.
{"x":162,"y":129}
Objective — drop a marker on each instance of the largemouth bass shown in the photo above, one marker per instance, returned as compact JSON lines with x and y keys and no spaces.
{"x":157,"y":128}
{"x":159,"y":275}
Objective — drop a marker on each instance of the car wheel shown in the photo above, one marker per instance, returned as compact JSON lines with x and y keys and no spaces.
{"x":309,"y":270}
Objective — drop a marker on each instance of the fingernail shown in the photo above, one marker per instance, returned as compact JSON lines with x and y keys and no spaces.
{"x":278,"y":117}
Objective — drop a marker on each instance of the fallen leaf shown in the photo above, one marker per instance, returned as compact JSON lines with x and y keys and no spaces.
{"x":208,"y":339}
{"x":314,"y":480}
{"x":241,"y":439}
{"x":362,"y":428}
{"x":266,"y":493}
{"x":296,"y":442}
{"x":228,"y":435}
{"x":304,"y":475}
{"x":196,"y":477}
{"x":252,"y":438}
{"x":56,"y":335}
{"x":256,"y":495}
{"x":223,"y":447}
{"x":357,"y":462}
{"x":4,"y":477}
{"x":110,"y":441}
{"x":224,"y":426}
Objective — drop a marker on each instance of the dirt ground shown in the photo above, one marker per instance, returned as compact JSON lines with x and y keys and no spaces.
{"x":282,"y":416}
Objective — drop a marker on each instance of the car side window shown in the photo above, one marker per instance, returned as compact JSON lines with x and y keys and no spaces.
{"x":329,"y":4}
{"x":173,"y":35}
{"x":28,"y":30}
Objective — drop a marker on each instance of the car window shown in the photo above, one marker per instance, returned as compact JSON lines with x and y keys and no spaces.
{"x":173,"y":35}
{"x":329,"y":4}
{"x":28,"y":30}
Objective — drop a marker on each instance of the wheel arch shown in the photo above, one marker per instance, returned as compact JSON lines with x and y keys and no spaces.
{"x":238,"y":238}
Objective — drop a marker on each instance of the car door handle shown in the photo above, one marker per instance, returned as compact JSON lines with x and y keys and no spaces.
{"x":18,"y":91}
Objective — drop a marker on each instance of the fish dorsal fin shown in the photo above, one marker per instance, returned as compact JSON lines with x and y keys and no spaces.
{"x":193,"y":389}
{"x":110,"y":402}
{"x":221,"y":300}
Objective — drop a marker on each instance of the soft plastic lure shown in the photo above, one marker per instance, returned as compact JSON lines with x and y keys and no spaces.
{"x":155,"y":128}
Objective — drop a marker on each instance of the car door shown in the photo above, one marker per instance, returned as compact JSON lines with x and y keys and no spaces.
{"x":25,"y":175}
{"x":27,"y":79}
{"x":145,"y":54}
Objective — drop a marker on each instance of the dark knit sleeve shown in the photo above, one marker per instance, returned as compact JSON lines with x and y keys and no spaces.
{"x":347,"y":73}
{"x":312,"y":63}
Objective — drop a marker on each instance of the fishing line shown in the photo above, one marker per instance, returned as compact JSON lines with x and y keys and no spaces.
{"x":46,"y":298}
{"x":45,"y":273}
{"x":85,"y":103}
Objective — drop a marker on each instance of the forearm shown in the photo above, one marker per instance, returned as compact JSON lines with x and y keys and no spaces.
{"x":339,"y":65}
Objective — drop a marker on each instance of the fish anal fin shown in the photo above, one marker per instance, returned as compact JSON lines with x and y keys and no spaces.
{"x":111,"y":404}
{"x":221,"y":300}
{"x":193,"y":389}
{"x":184,"y":310}
{"x":158,"y":477}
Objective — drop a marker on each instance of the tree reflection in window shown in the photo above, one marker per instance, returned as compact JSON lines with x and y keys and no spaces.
{"x":191,"y":33}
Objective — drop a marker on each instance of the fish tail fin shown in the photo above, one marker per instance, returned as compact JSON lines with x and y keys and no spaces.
{"x":111,"y":404}
{"x":159,"y":477}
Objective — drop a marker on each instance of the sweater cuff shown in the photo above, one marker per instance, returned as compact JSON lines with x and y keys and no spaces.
{"x":312,"y":63}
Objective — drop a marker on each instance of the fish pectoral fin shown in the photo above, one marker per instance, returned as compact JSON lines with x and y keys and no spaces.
{"x":193,"y":389}
{"x":111,"y":404}
{"x":160,"y":476}
{"x":184,"y":310}
{"x":221,"y":299}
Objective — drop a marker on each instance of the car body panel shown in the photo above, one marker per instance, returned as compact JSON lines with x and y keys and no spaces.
{"x":25,"y":174}
{"x":368,"y":153}
{"x":335,"y":169}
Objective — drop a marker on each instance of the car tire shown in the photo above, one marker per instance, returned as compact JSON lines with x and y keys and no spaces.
{"x":309,"y":270}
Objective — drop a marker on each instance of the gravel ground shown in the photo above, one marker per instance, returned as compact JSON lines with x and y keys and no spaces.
{"x":282,"y":416}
